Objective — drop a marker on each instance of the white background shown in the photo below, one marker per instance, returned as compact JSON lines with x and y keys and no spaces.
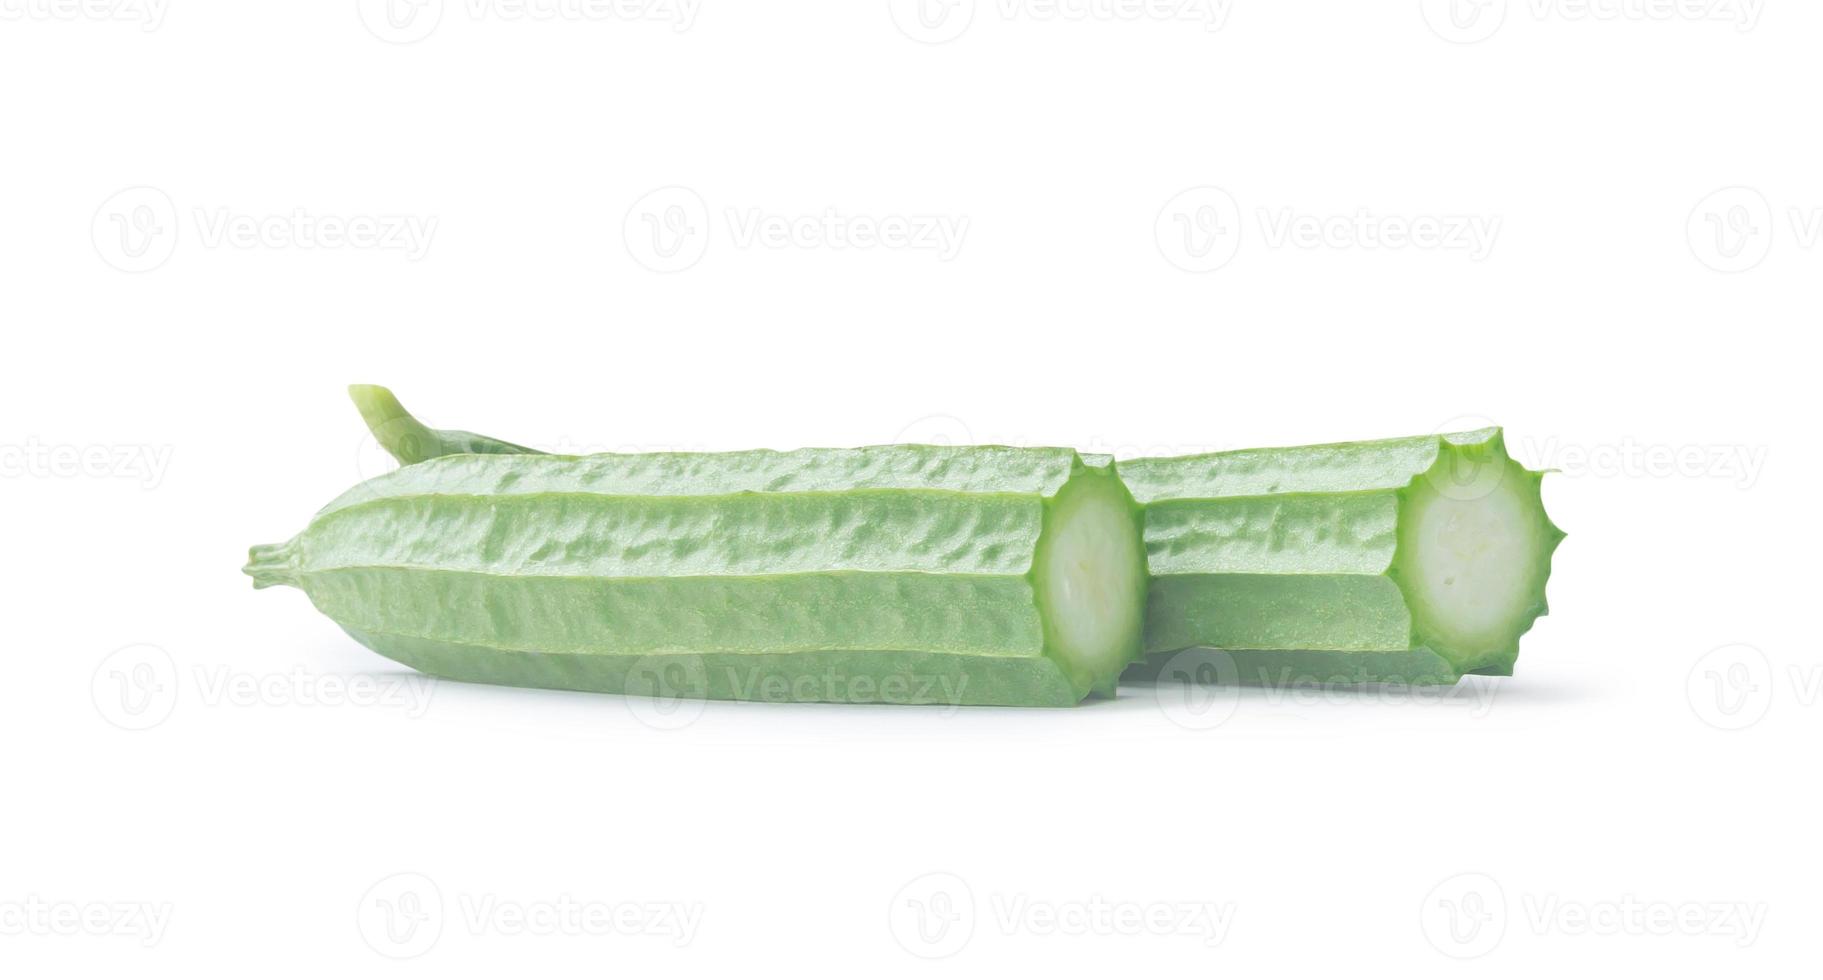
{"x":1173,"y":237}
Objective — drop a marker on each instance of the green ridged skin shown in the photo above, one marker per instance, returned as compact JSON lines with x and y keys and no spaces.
{"x":909,"y":574}
{"x":1429,"y":553}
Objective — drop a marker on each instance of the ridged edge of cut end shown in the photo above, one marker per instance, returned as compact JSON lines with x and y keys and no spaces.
{"x":1102,"y":518}
{"x":1472,"y":466}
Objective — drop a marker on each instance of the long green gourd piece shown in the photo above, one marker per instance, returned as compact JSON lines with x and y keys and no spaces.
{"x":914,"y":574}
{"x":1404,"y":560}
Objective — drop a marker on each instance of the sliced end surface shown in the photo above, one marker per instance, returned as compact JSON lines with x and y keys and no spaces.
{"x":1474,"y":553}
{"x":1091,"y":579}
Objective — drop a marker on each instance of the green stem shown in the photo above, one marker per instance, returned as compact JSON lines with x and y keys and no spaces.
{"x":411,"y":441}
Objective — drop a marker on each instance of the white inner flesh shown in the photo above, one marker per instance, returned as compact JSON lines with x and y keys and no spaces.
{"x":1091,"y":578}
{"x":1474,"y":559}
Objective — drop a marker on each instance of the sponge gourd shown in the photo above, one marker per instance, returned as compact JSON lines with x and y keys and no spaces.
{"x":919,"y":574}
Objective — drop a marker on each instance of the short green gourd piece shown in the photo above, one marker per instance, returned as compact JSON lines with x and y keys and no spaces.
{"x":1409,"y":561}
{"x":904,"y":574}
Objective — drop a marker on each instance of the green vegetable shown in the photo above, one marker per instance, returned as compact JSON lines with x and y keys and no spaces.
{"x":918,"y":574}
{"x":1425,"y":558}
{"x":925,"y":574}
